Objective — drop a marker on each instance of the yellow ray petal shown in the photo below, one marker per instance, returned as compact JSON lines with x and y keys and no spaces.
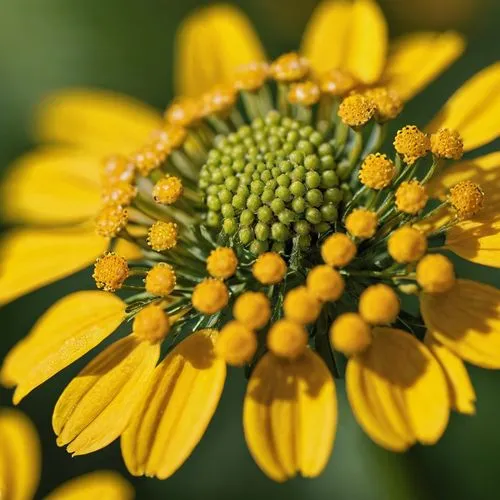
{"x":19,"y":456}
{"x":474,"y":109}
{"x":409,"y":68}
{"x":210,"y":44}
{"x":96,"y":406}
{"x":466,"y":320}
{"x":32,"y":258}
{"x":176,"y":408}
{"x":398,"y":391}
{"x":290,"y":416}
{"x":327,"y":35}
{"x":70,"y":328}
{"x":96,"y":121}
{"x":53,"y":185}
{"x":348,"y":36}
{"x":106,"y":485}
{"x":462,"y":393}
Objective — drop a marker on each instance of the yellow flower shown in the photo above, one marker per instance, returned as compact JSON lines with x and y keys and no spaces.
{"x":242,"y":214}
{"x":20,"y":457}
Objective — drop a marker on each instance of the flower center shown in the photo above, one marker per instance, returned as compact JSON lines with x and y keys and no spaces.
{"x":271,"y":181}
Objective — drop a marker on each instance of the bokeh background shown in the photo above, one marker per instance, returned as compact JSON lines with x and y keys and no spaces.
{"x":127,"y":46}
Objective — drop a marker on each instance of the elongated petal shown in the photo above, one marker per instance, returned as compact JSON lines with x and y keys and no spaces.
{"x":69,"y":329}
{"x":19,"y":456}
{"x":327,"y":35}
{"x":477,"y":239}
{"x":466,"y":320}
{"x":462,"y":393}
{"x":290,"y":416}
{"x":398,"y":391}
{"x":474,"y":109}
{"x":52,"y":186}
{"x":96,"y":406}
{"x":417,"y":59}
{"x":32,"y":258}
{"x":106,"y":485}
{"x":176,"y":408}
{"x":210,"y":44}
{"x":347,"y":35}
{"x":96,"y":121}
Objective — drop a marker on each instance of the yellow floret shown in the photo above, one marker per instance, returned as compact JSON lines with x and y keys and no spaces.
{"x":407,"y":244}
{"x":411,"y":143}
{"x":379,"y":304}
{"x":289,"y":67}
{"x":435,"y":273}
{"x":361,"y":223}
{"x":337,"y":83}
{"x":210,"y":296}
{"x":117,"y":169}
{"x":162,"y":236}
{"x":161,"y":280}
{"x":269,"y":268}
{"x":338,"y":250}
{"x":350,"y":334}
{"x":411,"y":197}
{"x":325,"y":283}
{"x":251,"y":76}
{"x":222,"y":263}
{"x":304,"y":93}
{"x":219,"y":101}
{"x":183,"y":112}
{"x":387,"y":102}
{"x":446,"y":143}
{"x":356,"y":110}
{"x":253,"y":309}
{"x":148,"y":158}
{"x":151,"y":324}
{"x":111,"y":220}
{"x":110,"y":271}
{"x":287,"y":339}
{"x":119,"y":193}
{"x":168,"y":190}
{"x":301,"y":306}
{"x":377,"y":171}
{"x":466,"y":198}
{"x":236,"y":344}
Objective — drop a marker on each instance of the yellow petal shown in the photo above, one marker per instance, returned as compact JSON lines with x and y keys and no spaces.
{"x":96,"y":406}
{"x":409,"y":68}
{"x":327,"y":35}
{"x":474,"y":109}
{"x":19,"y":456}
{"x":53,"y":185}
{"x":462,"y":393}
{"x":466,"y":320}
{"x":32,"y":258}
{"x":175,"y":410}
{"x":96,"y":121}
{"x":69,"y":329}
{"x":290,"y":416}
{"x":210,"y":44}
{"x":348,"y":36}
{"x":398,"y":391}
{"x":106,"y":485}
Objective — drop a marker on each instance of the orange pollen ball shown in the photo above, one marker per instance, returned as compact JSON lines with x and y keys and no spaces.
{"x":338,"y":250}
{"x":161,"y":280}
{"x":412,"y":144}
{"x":411,"y":197}
{"x":290,"y":67}
{"x":337,"y":83}
{"x":435,"y":273}
{"x":111,"y":220}
{"x":377,"y":171}
{"x":222,"y":263}
{"x":287,"y":339}
{"x":356,"y":110}
{"x":210,"y":296}
{"x":162,"y":236}
{"x":446,"y":143}
{"x":251,"y":76}
{"x":269,"y":268}
{"x":168,"y":190}
{"x":304,"y":93}
{"x":110,"y":271}
{"x":151,"y":324}
{"x":361,"y":223}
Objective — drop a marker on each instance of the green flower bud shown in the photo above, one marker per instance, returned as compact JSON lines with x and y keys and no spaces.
{"x":299,"y":205}
{"x":313,"y":179}
{"x":261,"y":231}
{"x":314,"y":197}
{"x":297,"y":188}
{"x":230,"y":226}
{"x":246,"y":217}
{"x":279,"y":232}
{"x":213,"y":202}
{"x":329,"y":212}
{"x":302,"y":227}
{"x":313,"y":215}
{"x":213,"y":219}
{"x":227,"y":211}
{"x":265,"y":214}
{"x":246,"y":235}
{"x":258,"y":247}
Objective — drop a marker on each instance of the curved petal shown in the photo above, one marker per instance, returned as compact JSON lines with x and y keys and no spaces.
{"x":32,"y":258}
{"x":398,"y":391}
{"x":462,"y":393}
{"x":96,"y":406}
{"x":20,"y":456}
{"x":96,"y":121}
{"x":290,"y":416}
{"x":69,"y":329}
{"x":107,"y":485}
{"x":466,"y":320}
{"x":53,"y":185}
{"x":347,"y":35}
{"x":412,"y":51}
{"x":474,"y":109}
{"x":210,"y":44}
{"x":175,"y":410}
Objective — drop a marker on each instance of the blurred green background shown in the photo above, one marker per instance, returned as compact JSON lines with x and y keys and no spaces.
{"x":127,"y":45}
